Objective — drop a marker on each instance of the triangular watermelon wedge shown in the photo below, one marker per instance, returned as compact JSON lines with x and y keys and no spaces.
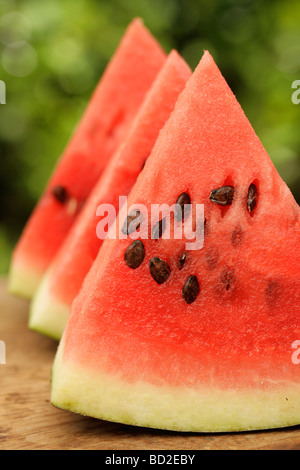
{"x":52,"y":303}
{"x":198,"y":340}
{"x":105,"y":123}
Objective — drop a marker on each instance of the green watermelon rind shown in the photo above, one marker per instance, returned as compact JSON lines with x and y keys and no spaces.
{"x":47,"y":316}
{"x":176,"y":409}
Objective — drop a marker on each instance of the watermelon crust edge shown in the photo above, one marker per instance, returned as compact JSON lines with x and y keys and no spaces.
{"x":55,"y":314}
{"x":180,"y":409}
{"x":23,"y":282}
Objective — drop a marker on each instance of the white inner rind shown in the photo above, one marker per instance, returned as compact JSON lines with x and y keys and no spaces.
{"x":100,"y":395}
{"x":48,"y":316}
{"x":22,"y":281}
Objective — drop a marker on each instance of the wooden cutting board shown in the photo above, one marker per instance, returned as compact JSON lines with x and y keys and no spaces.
{"x":28,"y":421}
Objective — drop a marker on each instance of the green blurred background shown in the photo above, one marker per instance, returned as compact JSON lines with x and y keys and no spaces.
{"x":52,"y":53}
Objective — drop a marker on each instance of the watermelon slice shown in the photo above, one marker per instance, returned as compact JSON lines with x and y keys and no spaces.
{"x":197,"y":340}
{"x":104,"y":125}
{"x":57,"y":291}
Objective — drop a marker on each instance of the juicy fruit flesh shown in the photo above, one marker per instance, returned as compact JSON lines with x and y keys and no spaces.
{"x":235,"y":339}
{"x":108,"y":117}
{"x":240,"y":332}
{"x":238,"y":288}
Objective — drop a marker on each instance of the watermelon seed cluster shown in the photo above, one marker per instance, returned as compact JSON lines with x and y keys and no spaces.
{"x":224,"y":196}
{"x":161,"y":271}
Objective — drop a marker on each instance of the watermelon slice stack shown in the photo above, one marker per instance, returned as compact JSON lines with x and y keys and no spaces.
{"x":205,"y":345}
{"x":62,"y":283}
{"x":192,"y":333}
{"x":104,"y":125}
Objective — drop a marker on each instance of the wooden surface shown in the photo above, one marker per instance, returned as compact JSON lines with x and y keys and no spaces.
{"x":28,"y":421}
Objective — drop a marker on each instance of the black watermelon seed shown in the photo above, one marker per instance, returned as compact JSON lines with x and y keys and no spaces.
{"x":228,"y":279}
{"x":252,"y":198}
{"x":60,"y":193}
{"x":273,"y":291}
{"x":135,"y":254}
{"x":159,"y":229}
{"x":180,"y":212}
{"x":181,"y":261}
{"x":223,"y":196}
{"x":191,"y":290}
{"x":129,"y":227}
{"x":160,"y":270}
{"x":237,"y":237}
{"x":212,"y":257}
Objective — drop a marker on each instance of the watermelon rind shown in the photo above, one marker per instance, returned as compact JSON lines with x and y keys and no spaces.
{"x":48,"y":316}
{"x":23,"y":282}
{"x":183,"y":408}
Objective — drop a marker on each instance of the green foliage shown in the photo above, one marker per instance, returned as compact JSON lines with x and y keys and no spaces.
{"x":52,"y":53}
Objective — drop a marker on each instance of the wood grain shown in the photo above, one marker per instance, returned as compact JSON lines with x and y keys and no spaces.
{"x":28,"y":421}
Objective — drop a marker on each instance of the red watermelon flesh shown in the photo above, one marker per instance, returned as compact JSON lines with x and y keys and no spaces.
{"x":211,"y":348}
{"x":106,"y":121}
{"x":61,"y":285}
